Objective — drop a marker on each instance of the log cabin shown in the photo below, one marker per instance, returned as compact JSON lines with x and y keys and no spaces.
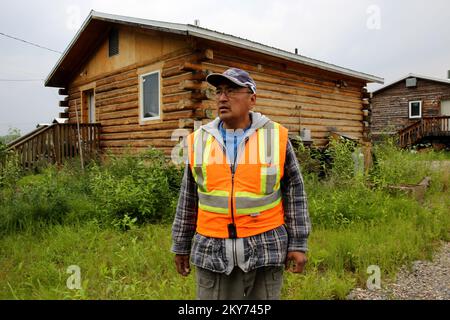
{"x":139,"y":80}
{"x":415,"y":108}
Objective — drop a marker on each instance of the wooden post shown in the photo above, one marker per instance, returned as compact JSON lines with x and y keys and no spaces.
{"x":33,"y":150}
{"x":58,"y":144}
{"x":65,"y":142}
{"x":79,"y":139}
{"x":367,"y":151}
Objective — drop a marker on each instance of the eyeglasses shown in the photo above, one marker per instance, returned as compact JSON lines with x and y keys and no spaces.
{"x":230,"y":92}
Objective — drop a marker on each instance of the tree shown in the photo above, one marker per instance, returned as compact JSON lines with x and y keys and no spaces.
{"x":13,"y":133}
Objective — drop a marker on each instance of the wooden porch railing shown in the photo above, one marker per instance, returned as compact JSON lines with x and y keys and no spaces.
{"x":56,"y":143}
{"x":425,"y":127}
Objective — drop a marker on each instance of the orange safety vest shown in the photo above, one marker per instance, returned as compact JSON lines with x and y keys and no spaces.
{"x":250,"y":198}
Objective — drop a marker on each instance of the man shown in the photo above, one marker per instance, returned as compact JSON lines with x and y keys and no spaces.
{"x":242,"y":200}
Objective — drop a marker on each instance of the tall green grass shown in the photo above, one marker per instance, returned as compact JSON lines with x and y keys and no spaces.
{"x":121,"y":191}
{"x":113,"y":221}
{"x":136,"y":264}
{"x":113,"y":264}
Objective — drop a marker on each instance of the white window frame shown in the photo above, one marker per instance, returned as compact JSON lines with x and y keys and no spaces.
{"x":420,"y":109}
{"x":91,"y":107}
{"x":141,"y":96}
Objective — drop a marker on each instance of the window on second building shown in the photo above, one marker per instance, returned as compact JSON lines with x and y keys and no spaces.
{"x":415,"y":109}
{"x":150,"y":96}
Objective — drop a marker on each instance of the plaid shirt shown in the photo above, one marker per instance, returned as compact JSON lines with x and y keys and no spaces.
{"x":266,"y":249}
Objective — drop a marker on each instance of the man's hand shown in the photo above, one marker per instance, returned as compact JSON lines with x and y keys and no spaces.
{"x":182,"y":263}
{"x":295,"y":261}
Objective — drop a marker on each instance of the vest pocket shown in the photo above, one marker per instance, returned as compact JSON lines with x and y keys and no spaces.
{"x":198,"y":176}
{"x":269,"y":177}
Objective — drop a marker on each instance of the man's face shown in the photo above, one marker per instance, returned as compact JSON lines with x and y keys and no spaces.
{"x":233,"y":102}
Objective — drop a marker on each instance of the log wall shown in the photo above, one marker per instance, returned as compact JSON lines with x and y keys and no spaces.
{"x":297,"y":96}
{"x":117,"y":107}
{"x":390,"y":107}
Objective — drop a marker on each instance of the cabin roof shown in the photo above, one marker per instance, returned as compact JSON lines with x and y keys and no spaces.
{"x":412,"y":75}
{"x":97,"y":23}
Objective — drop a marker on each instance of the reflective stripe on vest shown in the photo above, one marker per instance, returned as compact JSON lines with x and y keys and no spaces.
{"x":202,"y":147}
{"x":248,"y":203}
{"x":214,"y":201}
{"x":269,"y":155}
{"x":217,"y":201}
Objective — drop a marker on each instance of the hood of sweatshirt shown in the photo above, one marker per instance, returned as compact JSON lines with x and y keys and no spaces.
{"x":258,"y":120}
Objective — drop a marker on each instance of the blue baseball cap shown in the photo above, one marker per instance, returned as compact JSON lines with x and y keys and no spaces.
{"x":235,"y":75}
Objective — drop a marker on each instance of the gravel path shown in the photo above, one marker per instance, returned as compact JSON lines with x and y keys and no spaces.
{"x":427,"y":280}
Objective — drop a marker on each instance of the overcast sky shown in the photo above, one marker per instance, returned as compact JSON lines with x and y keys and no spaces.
{"x":388,"y":39}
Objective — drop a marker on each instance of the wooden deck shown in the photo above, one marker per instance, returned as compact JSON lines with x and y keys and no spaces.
{"x":424,"y":128}
{"x":56,"y":143}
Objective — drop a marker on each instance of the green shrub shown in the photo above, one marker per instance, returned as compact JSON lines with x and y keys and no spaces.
{"x":10,"y":169}
{"x":332,"y":207}
{"x":339,"y":161}
{"x":311,"y":159}
{"x":38,"y":200}
{"x":393,"y":165}
{"x":343,"y":154}
{"x":140,"y":188}
{"x":126,"y":189}
{"x":54,"y":196}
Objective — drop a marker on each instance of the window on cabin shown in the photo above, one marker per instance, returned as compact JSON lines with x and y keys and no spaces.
{"x":415,"y":109}
{"x":113,"y":42}
{"x":150,"y":95}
